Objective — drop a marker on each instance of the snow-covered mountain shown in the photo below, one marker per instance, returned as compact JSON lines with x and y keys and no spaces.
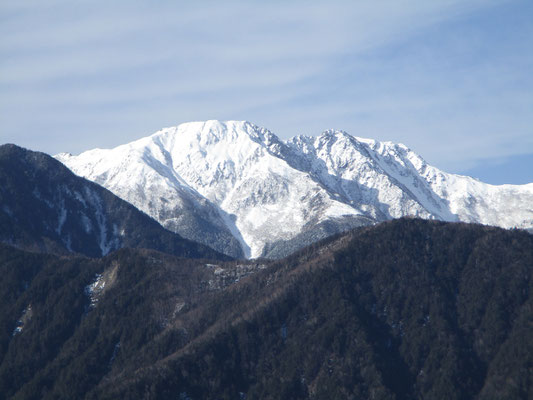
{"x":240,"y":189}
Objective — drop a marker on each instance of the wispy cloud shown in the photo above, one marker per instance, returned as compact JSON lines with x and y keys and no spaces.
{"x":446,"y":75}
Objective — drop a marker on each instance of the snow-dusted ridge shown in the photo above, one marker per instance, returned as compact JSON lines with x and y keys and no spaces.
{"x":231,"y":184}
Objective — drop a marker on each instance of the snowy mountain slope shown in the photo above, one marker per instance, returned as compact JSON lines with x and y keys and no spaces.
{"x":142,"y":174}
{"x":236,"y":186}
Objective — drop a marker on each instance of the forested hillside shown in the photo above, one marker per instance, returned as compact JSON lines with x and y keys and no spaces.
{"x":406,"y":309}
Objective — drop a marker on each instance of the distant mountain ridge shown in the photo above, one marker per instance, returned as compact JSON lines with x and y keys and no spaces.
{"x":240,"y":189}
{"x":45,"y":207}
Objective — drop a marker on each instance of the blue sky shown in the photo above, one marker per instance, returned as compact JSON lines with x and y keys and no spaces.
{"x":450,"y":79}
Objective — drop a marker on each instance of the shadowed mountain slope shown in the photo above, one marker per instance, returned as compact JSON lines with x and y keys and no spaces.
{"x":45,"y":207}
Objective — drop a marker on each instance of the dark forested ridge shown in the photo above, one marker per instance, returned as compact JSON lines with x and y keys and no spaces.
{"x":64,"y":319}
{"x":45,"y":207}
{"x":407,"y":309}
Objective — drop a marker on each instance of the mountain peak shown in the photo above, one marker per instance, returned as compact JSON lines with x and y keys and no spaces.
{"x":210,"y":132}
{"x":335,"y":133}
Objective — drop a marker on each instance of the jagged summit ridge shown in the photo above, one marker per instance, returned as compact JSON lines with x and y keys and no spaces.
{"x":242,"y":190}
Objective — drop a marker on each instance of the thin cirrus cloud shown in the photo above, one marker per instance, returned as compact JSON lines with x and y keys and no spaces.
{"x":447,"y":78}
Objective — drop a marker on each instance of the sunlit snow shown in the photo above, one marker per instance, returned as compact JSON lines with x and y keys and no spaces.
{"x":262,"y":189}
